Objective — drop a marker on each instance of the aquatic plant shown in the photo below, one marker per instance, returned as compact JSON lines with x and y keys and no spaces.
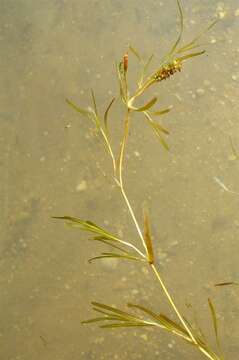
{"x":138,"y":315}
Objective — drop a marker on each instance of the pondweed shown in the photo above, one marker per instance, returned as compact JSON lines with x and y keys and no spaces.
{"x":138,"y":316}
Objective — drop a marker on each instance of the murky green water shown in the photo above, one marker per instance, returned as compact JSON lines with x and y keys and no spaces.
{"x":51,"y":164}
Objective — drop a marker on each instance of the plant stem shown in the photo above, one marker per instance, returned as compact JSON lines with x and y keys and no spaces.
{"x":172,"y":303}
{"x":108,"y":146}
{"x":120,"y":183}
{"x":194,"y":341}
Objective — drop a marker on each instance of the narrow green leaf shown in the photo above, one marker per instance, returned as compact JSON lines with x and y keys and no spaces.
{"x":180,"y":31}
{"x":188,"y":56}
{"x":121,"y":83}
{"x":161,"y":112}
{"x":106,"y":114}
{"x":135,"y":52}
{"x":158,"y":129}
{"x":126,"y":324}
{"x":86,"y":226}
{"x":192,"y":44}
{"x":147,"y":237}
{"x":227,"y":283}
{"x":77,"y":108}
{"x":233,"y":149}
{"x":114,"y":255}
{"x":196,"y":322}
{"x":171,"y":325}
{"x":146,"y":65}
{"x":118,"y":317}
{"x":146,"y":106}
{"x":161,"y":319}
{"x":145,"y":310}
{"x":109,"y":242}
{"x":115,"y":310}
{"x":155,"y":124}
{"x":126,"y":256}
{"x":214,"y":320}
{"x":144,"y":70}
{"x":94,"y":101}
{"x":102,"y":318}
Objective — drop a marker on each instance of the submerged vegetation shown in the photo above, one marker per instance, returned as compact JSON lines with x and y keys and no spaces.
{"x":138,"y":315}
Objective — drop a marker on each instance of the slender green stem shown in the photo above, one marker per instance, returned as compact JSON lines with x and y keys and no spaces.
{"x":109,"y":149}
{"x":120,"y":183}
{"x":141,"y":89}
{"x":132,"y":246}
{"x":193,"y":340}
{"x":172,"y":303}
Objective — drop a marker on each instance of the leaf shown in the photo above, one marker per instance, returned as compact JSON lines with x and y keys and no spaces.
{"x":146,"y":106}
{"x":181,"y":30}
{"x":120,"y":318}
{"x":192,"y":43}
{"x":188,"y":56}
{"x":197,"y":326}
{"x":126,"y":324}
{"x":233,"y":149}
{"x":144,"y":309}
{"x":77,"y":108}
{"x":227,"y":283}
{"x":106,"y":114}
{"x":161,"y":112}
{"x":86,"y":226}
{"x":94,"y":102}
{"x":109,"y":242}
{"x":157,"y":124}
{"x":162,"y":320}
{"x":135,"y":52}
{"x":214,"y":320}
{"x":144,"y":70}
{"x":121,"y":84}
{"x":147,"y":238}
{"x":114,"y":255}
{"x":158,"y":129}
{"x":102,"y":318}
{"x":115,"y":310}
